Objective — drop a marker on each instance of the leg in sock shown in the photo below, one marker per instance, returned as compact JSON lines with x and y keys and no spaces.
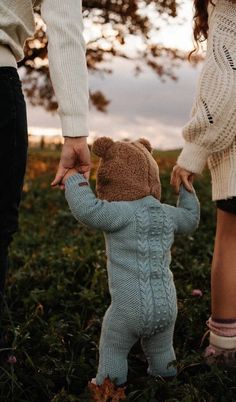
{"x":222,"y":348}
{"x":222,"y":324}
{"x":222,"y":327}
{"x":223,"y":278}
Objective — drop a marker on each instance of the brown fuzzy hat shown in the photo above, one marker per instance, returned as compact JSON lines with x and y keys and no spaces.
{"x":127,"y":170}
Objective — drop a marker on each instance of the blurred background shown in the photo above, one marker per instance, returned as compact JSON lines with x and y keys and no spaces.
{"x":141,"y":83}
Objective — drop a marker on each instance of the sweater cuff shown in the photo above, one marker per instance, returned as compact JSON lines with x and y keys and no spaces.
{"x":78,"y":179}
{"x":74,"y":126}
{"x":193,"y":157}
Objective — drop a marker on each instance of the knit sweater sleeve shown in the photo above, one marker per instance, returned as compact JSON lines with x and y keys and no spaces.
{"x":213,"y":120}
{"x":186,"y":215}
{"x":89,"y":210}
{"x":67,"y":63}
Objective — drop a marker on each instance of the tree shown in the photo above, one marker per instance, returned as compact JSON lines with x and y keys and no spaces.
{"x":117,"y":21}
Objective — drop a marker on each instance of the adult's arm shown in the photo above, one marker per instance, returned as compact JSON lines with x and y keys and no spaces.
{"x":67,"y":63}
{"x":68,"y":72}
{"x":213,"y":120}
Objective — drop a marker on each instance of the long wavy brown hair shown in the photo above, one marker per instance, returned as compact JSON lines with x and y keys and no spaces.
{"x":200,"y":30}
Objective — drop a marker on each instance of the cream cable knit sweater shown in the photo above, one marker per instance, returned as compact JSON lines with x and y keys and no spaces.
{"x":66,"y":52}
{"x":210,"y":135}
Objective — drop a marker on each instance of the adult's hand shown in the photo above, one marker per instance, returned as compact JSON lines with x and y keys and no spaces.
{"x":180,"y":175}
{"x":75,"y":154}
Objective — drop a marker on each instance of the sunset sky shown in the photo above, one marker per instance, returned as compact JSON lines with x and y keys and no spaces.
{"x":140,"y":106}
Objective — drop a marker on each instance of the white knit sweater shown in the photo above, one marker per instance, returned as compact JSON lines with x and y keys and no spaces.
{"x":210,"y":135}
{"x":66,"y":52}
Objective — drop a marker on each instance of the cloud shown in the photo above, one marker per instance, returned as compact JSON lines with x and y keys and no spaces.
{"x":160,"y":135}
{"x":140,"y":106}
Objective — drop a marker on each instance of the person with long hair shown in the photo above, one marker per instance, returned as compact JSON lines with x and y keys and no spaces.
{"x":68,"y":71}
{"x":210,"y":137}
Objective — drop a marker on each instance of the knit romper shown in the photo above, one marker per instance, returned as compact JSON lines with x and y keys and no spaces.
{"x":139,"y":235}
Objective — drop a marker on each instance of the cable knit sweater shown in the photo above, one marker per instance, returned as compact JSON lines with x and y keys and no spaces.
{"x":139,"y":235}
{"x":66,"y":52}
{"x":211,"y":133}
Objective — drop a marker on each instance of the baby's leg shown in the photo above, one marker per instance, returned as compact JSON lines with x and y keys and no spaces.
{"x":160,"y":353}
{"x":115,"y":343}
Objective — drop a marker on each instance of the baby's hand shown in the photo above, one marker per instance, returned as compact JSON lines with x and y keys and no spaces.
{"x":70,"y":172}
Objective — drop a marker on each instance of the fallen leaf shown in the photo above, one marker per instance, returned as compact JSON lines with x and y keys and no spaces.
{"x":106,"y":392}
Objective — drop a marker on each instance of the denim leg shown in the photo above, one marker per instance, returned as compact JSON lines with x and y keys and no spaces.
{"x":13,"y":154}
{"x":4,"y":244}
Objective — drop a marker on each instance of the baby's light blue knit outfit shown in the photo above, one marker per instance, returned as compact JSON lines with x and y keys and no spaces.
{"x":139,"y":235}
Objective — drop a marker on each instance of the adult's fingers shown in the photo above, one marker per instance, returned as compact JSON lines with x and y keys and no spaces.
{"x":175,"y":179}
{"x":176,"y":182}
{"x":62,"y":186}
{"x":191,"y":178}
{"x":75,"y":154}
{"x":177,"y":185}
{"x":180,"y":175}
{"x":186,"y":180}
{"x":83,"y":159}
{"x":61,"y":171}
{"x":86,"y":174}
{"x":80,"y":159}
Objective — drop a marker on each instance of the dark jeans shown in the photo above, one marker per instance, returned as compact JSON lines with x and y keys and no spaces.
{"x":13,"y":154}
{"x":228,"y":205}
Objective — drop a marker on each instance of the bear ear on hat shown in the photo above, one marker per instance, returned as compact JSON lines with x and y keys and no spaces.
{"x":101,"y":145}
{"x":146,"y":143}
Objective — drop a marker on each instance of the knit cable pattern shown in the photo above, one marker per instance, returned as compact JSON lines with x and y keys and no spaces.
{"x":146,"y":295}
{"x":139,"y":235}
{"x":167,"y":276}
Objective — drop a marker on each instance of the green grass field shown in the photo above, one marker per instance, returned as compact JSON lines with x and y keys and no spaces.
{"x":57,"y":294}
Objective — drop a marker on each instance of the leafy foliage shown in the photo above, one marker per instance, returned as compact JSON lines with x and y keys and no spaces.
{"x":115,"y":23}
{"x":57,"y":294}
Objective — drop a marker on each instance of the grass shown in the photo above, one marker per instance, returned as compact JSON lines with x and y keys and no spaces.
{"x":57,"y":294}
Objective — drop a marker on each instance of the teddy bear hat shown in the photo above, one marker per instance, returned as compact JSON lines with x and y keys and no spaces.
{"x":127,"y":170}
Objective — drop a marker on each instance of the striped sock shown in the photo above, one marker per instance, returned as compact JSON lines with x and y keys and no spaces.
{"x":222,"y":327}
{"x":222,"y":333}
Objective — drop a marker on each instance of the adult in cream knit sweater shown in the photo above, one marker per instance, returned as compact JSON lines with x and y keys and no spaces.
{"x":67,"y":63}
{"x":210,"y":136}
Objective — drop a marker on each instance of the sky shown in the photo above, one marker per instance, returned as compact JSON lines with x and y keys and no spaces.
{"x":142,"y":106}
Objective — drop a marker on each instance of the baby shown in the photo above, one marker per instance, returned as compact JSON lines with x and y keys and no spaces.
{"x":139,"y":232}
